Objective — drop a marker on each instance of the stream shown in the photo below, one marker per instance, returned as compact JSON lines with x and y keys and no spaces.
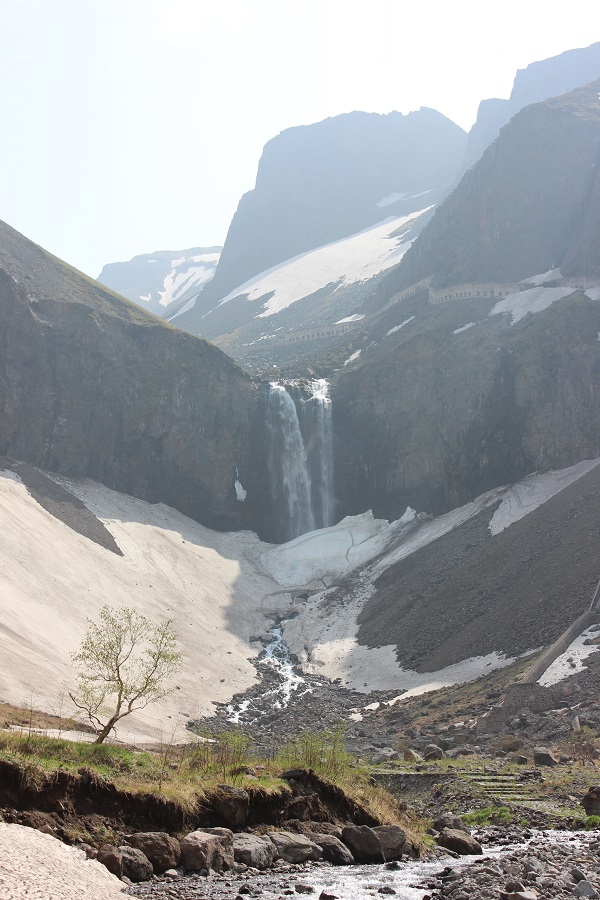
{"x":277,"y":657}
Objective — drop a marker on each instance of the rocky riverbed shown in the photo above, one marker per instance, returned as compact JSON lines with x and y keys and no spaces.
{"x":517,"y":864}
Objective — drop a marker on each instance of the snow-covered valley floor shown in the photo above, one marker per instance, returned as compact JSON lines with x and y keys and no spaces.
{"x":222,"y":591}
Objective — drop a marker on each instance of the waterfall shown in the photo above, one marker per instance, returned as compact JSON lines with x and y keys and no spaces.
{"x":318,"y":441}
{"x":301,"y":456}
{"x":290,"y":481}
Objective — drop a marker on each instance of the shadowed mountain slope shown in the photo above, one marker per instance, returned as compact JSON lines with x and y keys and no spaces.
{"x":92,"y":385}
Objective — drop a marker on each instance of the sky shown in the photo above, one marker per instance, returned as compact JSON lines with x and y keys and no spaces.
{"x":130,"y":126}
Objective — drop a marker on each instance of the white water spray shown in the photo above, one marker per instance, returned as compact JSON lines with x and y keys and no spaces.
{"x":290,"y":479}
{"x":301,"y":456}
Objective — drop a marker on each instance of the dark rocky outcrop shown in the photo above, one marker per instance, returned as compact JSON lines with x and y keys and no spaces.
{"x":530,"y":202}
{"x":91,"y":385}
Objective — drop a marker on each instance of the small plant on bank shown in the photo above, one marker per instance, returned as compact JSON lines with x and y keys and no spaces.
{"x":322,"y":751}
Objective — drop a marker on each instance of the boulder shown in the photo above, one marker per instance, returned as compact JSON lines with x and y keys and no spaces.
{"x":458,"y":841}
{"x":203,"y":849}
{"x":231,"y":804}
{"x":465,"y":750}
{"x":110,"y":857}
{"x":334,"y":851}
{"x":412,"y":756}
{"x":542,"y":756}
{"x":294,"y":848}
{"x":392,"y":839}
{"x":386,"y":754}
{"x":363,"y":843}
{"x":432,"y":751}
{"x":450,"y":821}
{"x":162,"y":850}
{"x":591,"y":802}
{"x":136,"y":865}
{"x":252,"y":850}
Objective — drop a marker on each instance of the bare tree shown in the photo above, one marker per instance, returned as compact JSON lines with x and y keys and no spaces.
{"x":123,"y":663}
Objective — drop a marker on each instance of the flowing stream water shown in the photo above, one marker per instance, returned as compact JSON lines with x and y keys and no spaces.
{"x":277,"y":657}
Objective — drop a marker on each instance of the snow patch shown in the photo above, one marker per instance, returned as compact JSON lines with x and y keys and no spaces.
{"x":328,"y":552}
{"x":357,"y":353}
{"x":353,"y":259}
{"x":544,"y":278}
{"x":532,"y":301}
{"x":571,"y":661}
{"x":355,"y":318}
{"x":534,"y":490}
{"x":401,"y":325}
{"x":537,"y":299}
{"x":240,"y":493}
{"x":464,"y":327}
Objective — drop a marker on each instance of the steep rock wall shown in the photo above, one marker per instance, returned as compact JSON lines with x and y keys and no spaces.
{"x":437,"y":419}
{"x":91,"y":386}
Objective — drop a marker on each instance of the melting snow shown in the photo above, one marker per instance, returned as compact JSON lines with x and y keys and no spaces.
{"x":544,"y":278}
{"x":464,"y":327}
{"x":536,"y":300}
{"x":534,"y":490}
{"x":571,"y":661}
{"x":398,"y":327}
{"x":328,"y":552}
{"x":357,"y":353}
{"x":353,"y":259}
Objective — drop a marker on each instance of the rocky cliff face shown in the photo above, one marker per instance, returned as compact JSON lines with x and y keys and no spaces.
{"x":322,"y":182}
{"x":539,"y":81}
{"x":531,"y":202}
{"x":91,"y":385}
{"x":436,"y":415}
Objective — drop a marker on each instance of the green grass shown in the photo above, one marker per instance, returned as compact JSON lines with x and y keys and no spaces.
{"x":489,"y":815}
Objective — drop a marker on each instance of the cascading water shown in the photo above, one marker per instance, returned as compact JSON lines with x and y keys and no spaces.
{"x":301,"y":456}
{"x":290,"y":481}
{"x":317,"y":429}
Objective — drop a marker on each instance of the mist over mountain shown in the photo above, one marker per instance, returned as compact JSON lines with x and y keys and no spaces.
{"x":528,"y":205}
{"x":162,"y":282}
{"x":319,"y":183}
{"x":538,"y":81}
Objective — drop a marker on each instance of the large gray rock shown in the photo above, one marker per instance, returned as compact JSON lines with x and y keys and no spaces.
{"x":162,"y":850}
{"x":392,"y":839}
{"x":136,"y":865}
{"x":208,"y":849}
{"x":232,"y":805}
{"x":334,"y":851}
{"x":363,"y":843}
{"x":253,"y":850}
{"x":110,"y":857}
{"x":433,"y":751}
{"x":458,"y":841}
{"x":294,"y":848}
{"x":542,"y":756}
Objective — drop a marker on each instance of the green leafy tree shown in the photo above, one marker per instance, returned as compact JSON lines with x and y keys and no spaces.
{"x":123,"y":664}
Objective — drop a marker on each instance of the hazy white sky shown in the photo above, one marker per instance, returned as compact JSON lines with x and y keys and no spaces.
{"x":135,"y":125}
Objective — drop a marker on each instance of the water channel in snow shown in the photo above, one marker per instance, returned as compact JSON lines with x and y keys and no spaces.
{"x":277,"y":657}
